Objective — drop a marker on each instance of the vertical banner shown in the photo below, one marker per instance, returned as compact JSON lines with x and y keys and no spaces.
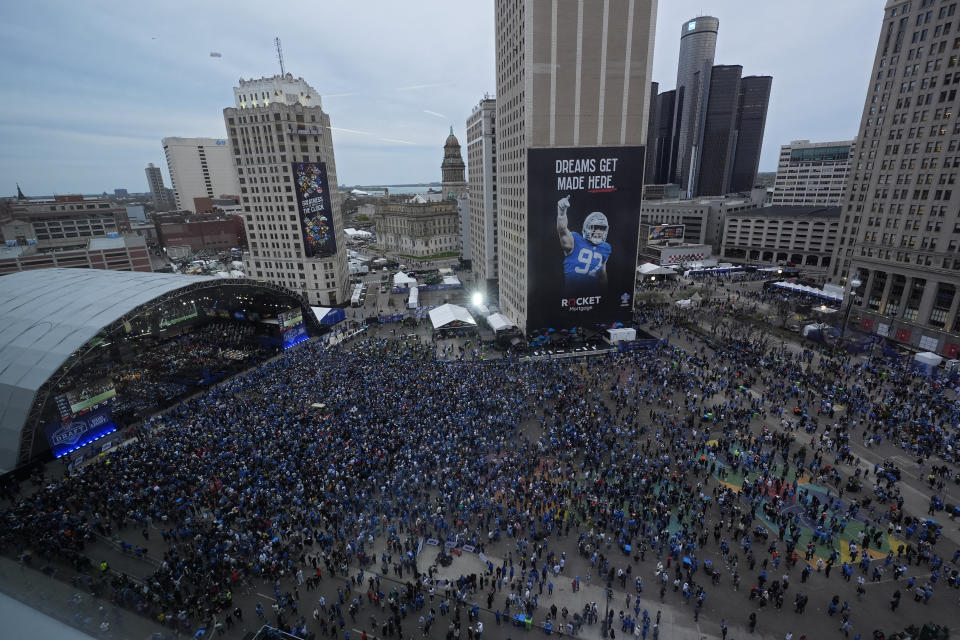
{"x":583,"y":218}
{"x":316,"y":208}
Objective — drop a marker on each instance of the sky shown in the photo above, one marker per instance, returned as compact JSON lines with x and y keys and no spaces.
{"x":90,"y":88}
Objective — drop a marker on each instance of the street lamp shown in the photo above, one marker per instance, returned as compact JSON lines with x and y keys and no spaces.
{"x":477,"y":299}
{"x":606,"y":613}
{"x":851,"y":291}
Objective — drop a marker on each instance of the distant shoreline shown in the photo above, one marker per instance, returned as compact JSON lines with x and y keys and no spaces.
{"x":388,"y":186}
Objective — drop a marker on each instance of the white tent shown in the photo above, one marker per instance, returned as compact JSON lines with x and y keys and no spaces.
{"x":498,"y":321}
{"x":812,"y":291}
{"x":452,"y":281}
{"x":650,"y":269}
{"x":684,"y":304}
{"x":623,"y":334}
{"x":928,"y":358}
{"x":401,"y":279}
{"x":451,"y":316}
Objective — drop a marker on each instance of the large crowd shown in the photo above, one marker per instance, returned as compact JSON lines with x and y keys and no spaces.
{"x":328,"y":467}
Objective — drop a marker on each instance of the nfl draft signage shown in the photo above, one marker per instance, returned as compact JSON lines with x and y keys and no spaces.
{"x":583,"y":218}
{"x":316,"y":208}
{"x":72,"y":434}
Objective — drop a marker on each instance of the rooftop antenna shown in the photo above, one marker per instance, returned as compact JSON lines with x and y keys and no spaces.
{"x":276,"y":42}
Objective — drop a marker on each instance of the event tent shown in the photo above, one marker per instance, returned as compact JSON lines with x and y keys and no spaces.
{"x":498,"y":322}
{"x":451,"y":316}
{"x":400,"y":279}
{"x":650,"y":269}
{"x":810,"y":291}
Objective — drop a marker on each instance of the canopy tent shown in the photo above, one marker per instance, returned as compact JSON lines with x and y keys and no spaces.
{"x":793,"y":287}
{"x":328,"y":316}
{"x":928,"y":358}
{"x":499,"y":322}
{"x":650,"y":269}
{"x":451,"y":316}
{"x":400,"y":279}
{"x":451,"y":281}
{"x":713,"y":271}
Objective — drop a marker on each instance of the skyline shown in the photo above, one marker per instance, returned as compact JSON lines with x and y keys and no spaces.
{"x":86,"y":111}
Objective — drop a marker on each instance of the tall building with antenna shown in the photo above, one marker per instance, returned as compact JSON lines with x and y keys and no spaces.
{"x":282,"y":148}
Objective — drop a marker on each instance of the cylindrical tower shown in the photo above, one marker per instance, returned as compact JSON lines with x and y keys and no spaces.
{"x":698,"y":44}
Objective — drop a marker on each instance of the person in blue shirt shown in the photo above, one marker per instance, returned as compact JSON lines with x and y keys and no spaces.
{"x":585,"y":256}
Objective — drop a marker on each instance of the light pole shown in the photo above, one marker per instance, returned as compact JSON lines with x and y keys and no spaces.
{"x":606,"y":613}
{"x":854,"y":284}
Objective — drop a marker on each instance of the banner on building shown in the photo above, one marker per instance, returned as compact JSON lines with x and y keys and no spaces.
{"x":663,"y":233}
{"x":582,"y":223}
{"x":316,"y":208}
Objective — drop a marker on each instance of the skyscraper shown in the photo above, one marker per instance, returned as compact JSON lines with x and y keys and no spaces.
{"x":282,"y":146}
{"x":199,"y":168}
{"x":698,"y":44}
{"x":900,"y":220}
{"x":568,"y":75}
{"x":751,"y":121}
{"x":482,"y":187}
{"x":720,"y":121}
{"x":159,"y":193}
{"x":454,"y":187}
{"x":659,"y":154}
{"x":709,"y":130}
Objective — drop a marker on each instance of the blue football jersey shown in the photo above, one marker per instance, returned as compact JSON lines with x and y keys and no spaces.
{"x":583,"y":265}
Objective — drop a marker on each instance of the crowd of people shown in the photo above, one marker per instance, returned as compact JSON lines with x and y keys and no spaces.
{"x":685,"y":470}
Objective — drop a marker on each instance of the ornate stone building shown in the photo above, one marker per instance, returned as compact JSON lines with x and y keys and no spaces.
{"x":454,"y":182}
{"x":418,"y":228}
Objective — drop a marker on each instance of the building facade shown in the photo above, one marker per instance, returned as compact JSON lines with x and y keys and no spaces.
{"x":812,"y":173}
{"x":482,"y":189}
{"x":214,"y":235}
{"x":199,"y":168}
{"x":417,"y":228}
{"x":900,"y":232}
{"x":454,"y":187}
{"x":159,"y":193}
{"x":276,"y":122}
{"x":805,"y":237}
{"x":62,"y":222}
{"x":702,"y":218}
{"x":125,"y":253}
{"x":566,"y":77}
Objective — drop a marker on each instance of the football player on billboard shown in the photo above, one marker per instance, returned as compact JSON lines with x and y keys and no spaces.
{"x":585,"y":255}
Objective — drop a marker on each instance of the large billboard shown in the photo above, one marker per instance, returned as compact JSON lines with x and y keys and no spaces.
{"x":662,"y":233}
{"x":316,"y":208}
{"x":583,"y":218}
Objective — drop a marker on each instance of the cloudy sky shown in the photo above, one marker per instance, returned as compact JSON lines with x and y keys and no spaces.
{"x":89,"y":88}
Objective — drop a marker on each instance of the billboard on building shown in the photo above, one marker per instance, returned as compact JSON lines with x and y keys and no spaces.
{"x":662,"y":233}
{"x":316,"y":208}
{"x":582,"y":224}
